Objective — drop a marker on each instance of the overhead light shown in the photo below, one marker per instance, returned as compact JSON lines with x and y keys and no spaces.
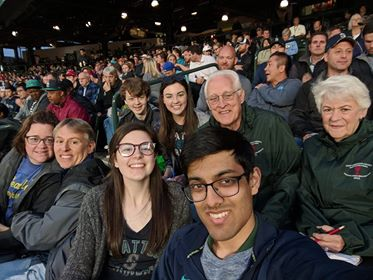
{"x":124,"y":15}
{"x":224,"y":18}
{"x":157,"y":23}
{"x":193,"y":13}
{"x":183,"y":28}
{"x":88,"y":24}
{"x":154,"y":3}
{"x":56,"y":27}
{"x":15,"y":33}
{"x":51,"y":45}
{"x":284,"y":3}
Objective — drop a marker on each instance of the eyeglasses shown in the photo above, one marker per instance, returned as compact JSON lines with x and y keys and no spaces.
{"x":35,"y":140}
{"x":127,"y":149}
{"x":224,"y":187}
{"x":227,"y":96}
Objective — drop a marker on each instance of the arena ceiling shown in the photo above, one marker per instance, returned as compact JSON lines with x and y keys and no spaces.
{"x":33,"y":20}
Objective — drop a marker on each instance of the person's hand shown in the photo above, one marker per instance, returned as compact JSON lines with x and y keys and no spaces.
{"x":106,"y":87}
{"x":3,"y":228}
{"x":200,"y":80}
{"x":109,"y":112}
{"x":333,"y":243}
{"x":167,"y":173}
{"x":238,"y":67}
{"x":306,"y":77}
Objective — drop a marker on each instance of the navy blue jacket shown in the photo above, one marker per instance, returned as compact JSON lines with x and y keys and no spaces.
{"x":277,"y":254}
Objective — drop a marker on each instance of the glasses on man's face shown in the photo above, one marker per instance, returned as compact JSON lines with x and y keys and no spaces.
{"x":226,"y":96}
{"x":224,"y":187}
{"x":127,"y":149}
{"x":35,"y":140}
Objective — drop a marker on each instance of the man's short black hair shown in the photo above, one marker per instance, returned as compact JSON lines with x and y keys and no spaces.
{"x":21,"y":84}
{"x":195,"y":49}
{"x":368,"y":28}
{"x":283,"y":59}
{"x":318,"y":33}
{"x":211,"y":140}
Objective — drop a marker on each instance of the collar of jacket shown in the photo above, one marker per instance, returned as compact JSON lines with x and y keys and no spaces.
{"x":364,"y":131}
{"x":247,"y":119}
{"x":266,"y":238}
{"x":149,"y":113}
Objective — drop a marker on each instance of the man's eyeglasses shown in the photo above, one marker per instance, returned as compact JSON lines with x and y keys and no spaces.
{"x":35,"y":140}
{"x":227,"y":96}
{"x":224,"y":187}
{"x":127,"y":149}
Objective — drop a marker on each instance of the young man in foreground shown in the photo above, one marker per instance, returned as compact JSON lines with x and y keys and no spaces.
{"x":232,"y":241}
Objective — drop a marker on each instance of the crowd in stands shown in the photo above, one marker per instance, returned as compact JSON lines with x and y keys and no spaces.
{"x":256,"y":164}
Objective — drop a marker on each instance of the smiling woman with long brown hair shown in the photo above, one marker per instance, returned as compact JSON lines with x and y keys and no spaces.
{"x":125,"y":223}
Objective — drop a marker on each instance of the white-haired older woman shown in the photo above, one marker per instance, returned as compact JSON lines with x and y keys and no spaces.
{"x":337,"y":181}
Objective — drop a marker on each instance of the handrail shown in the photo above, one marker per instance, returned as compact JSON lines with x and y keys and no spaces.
{"x":114,"y":104}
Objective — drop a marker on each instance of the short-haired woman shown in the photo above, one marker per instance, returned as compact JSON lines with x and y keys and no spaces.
{"x":336,"y":180}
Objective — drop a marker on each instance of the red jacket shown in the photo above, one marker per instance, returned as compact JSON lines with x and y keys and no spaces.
{"x":69,"y":109}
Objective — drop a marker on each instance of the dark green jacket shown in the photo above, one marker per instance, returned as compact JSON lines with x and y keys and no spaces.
{"x":337,"y":187}
{"x":278,"y":158}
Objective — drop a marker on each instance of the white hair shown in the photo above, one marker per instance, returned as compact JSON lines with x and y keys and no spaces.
{"x":340,"y":87}
{"x":232,"y":75}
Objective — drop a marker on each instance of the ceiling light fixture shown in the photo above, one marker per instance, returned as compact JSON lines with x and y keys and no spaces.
{"x":183,"y":28}
{"x":284,"y":3}
{"x":15,"y":33}
{"x":224,"y":18}
{"x":154,"y":3}
{"x":157,"y":23}
{"x":88,"y":24}
{"x":124,"y":15}
{"x":56,"y":27}
{"x":193,"y":13}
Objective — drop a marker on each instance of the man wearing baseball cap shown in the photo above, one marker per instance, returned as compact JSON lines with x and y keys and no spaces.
{"x":168,"y":68}
{"x":305,"y":119}
{"x":36,"y":101}
{"x":62,"y":103}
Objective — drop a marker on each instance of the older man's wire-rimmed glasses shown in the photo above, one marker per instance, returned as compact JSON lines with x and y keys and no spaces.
{"x":226,"y":96}
{"x":224,"y":187}
{"x":127,"y":149}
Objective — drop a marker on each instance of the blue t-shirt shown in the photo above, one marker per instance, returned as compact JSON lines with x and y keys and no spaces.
{"x":24,"y":175}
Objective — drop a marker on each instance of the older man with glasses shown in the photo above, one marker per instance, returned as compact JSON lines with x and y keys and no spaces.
{"x":276,"y":152}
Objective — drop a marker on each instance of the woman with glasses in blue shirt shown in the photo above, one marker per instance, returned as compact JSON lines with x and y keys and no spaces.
{"x":28,"y":181}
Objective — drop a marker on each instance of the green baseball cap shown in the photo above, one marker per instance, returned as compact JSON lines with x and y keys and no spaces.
{"x":33,"y":84}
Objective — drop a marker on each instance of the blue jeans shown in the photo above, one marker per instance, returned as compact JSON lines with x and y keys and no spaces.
{"x":30,"y":268}
{"x":109,"y":129}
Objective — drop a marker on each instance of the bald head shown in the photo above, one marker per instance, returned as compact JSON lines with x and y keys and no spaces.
{"x":226,"y":58}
